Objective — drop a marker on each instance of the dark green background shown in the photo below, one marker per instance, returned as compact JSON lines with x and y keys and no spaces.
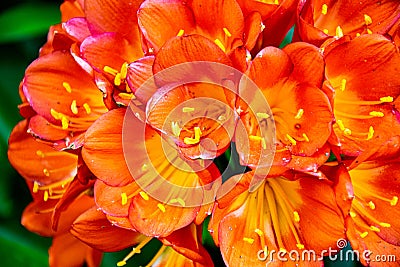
{"x":23,"y":29}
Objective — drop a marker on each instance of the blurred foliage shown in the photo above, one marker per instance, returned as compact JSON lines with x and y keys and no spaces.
{"x":23,"y":30}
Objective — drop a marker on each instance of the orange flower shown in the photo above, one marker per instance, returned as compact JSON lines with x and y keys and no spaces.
{"x":298,"y":107}
{"x":280,"y":215}
{"x":320,"y":20}
{"x":363,"y":76}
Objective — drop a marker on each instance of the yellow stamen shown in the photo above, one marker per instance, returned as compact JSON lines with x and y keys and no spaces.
{"x":371,"y":132}
{"x":377,"y":114}
{"x":136,"y":250}
{"x":117,"y":79}
{"x":343,"y":84}
{"x":385,"y":225}
{"x":161,"y":207}
{"x":394,"y":201}
{"x":367,"y":19}
{"x":291,"y":139}
{"x":196,"y":139}
{"x":87,"y":108}
{"x":371,"y":205}
{"x":144,"y":195}
{"x":324,"y":10}
{"x":180,"y":33}
{"x":46,"y":172}
{"x":299,"y":114}
{"x":369,"y":31}
{"x":340,"y":124}
{"x":35,"y":187}
{"x":248,"y":240}
{"x":339,"y":32}
{"x":262,"y":115}
{"x":144,"y":167}
{"x":364,"y":235}
{"x":124,"y":199}
{"x":306,"y":137}
{"x":178,"y":200}
{"x":220,"y":44}
{"x":124,"y":70}
{"x":176,"y":130}
{"x":40,"y":153}
{"x":55,"y":114}
{"x":187,"y":109}
{"x":276,"y":2}
{"x":67,"y":87}
{"x":374,"y":228}
{"x":263,"y":143}
{"x":326,"y":31}
{"x":226,"y":31}
{"x":126,"y":96}
{"x":74,"y":108}
{"x":347,"y":131}
{"x":358,"y":34}
{"x":109,"y":70}
{"x":352,"y":214}
{"x":386,"y":99}
{"x":300,"y":246}
{"x":296,"y":216}
{"x":221,"y":118}
{"x":259,"y":232}
{"x":64,"y":123}
{"x":262,"y":26}
{"x":46,"y":196}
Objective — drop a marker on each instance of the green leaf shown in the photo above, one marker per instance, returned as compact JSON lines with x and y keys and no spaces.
{"x":27,"y":20}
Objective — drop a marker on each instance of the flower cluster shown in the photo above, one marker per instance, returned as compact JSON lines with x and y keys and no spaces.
{"x":132,"y":107}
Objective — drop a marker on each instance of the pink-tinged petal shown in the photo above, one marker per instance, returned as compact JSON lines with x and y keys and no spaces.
{"x":93,"y":228}
{"x":140,"y":72}
{"x":162,"y":20}
{"x":77,"y":28}
{"x":109,"y":49}
{"x":103,"y":151}
{"x":58,"y":89}
{"x":113,"y":16}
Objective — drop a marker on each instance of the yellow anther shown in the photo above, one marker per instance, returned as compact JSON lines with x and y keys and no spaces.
{"x":74,"y":108}
{"x":124,"y":199}
{"x":126,"y":96}
{"x":377,"y":114}
{"x":64,"y":122}
{"x":386,"y":99}
{"x":40,"y":153}
{"x":300,"y":246}
{"x":109,"y":70}
{"x":291,"y":139}
{"x":262,"y":115}
{"x":35,"y":187}
{"x":340,"y":124}
{"x":276,"y":2}
{"x":46,"y":172}
{"x":263,"y":143}
{"x":227,"y":33}
{"x":326,"y":31}
{"x":161,"y":207}
{"x":221,"y":118}
{"x":324,"y":10}
{"x":352,"y":214}
{"x":144,"y":167}
{"x":394,"y":201}
{"x":374,"y":228}
{"x":262,"y":26}
{"x":371,"y":205}
{"x":181,"y":32}
{"x":124,"y":70}
{"x":358,"y":34}
{"x":343,"y":84}
{"x":347,"y":131}
{"x":87,"y":108}
{"x":259,"y":232}
{"x":67,"y":87}
{"x":367,"y":19}
{"x":255,"y":138}
{"x":187,"y":109}
{"x":364,"y":235}
{"x":306,"y":137}
{"x":299,"y":114}
{"x":369,"y":31}
{"x":178,"y":200}
{"x":371,"y":132}
{"x":121,"y":263}
{"x":176,"y":130}
{"x":220,"y":44}
{"x":55,"y":114}
{"x":196,"y":139}
{"x":296,"y":216}
{"x":248,"y":240}
{"x":117,"y":79}
{"x":339,"y":32}
{"x":282,"y":250}
{"x":144,"y":195}
{"x":46,"y":196}
{"x":385,"y":225}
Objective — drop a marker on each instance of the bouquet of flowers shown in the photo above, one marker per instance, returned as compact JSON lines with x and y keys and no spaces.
{"x":274,"y":125}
